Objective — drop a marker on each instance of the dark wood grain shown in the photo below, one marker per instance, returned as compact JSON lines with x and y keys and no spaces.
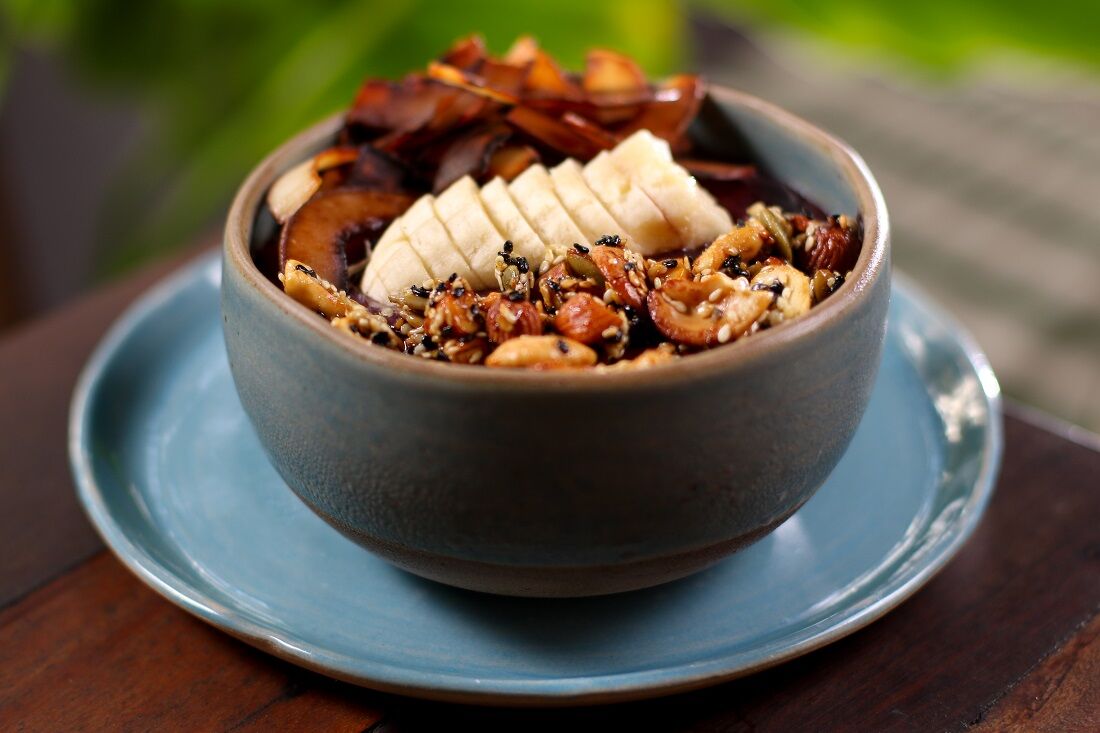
{"x":96,"y":651}
{"x":1005,"y":638}
{"x":42,"y":528}
{"x":1061,"y":693}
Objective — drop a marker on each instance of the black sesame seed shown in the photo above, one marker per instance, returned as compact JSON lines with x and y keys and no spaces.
{"x":580,"y":248}
{"x":669,"y":263}
{"x":475,"y":310}
{"x":775,"y":287}
{"x":554,"y":285}
{"x":609,"y":240}
{"x":306,"y":269}
{"x":508,"y":246}
{"x":514,"y":296}
{"x":420,"y":292}
{"x":563,"y":347}
{"x":836,"y":283}
{"x":460,"y":291}
{"x":521,"y":265}
{"x":440,"y":287}
{"x":453,"y":277}
{"x":446,"y":330}
{"x":629,"y":266}
{"x":380,"y":338}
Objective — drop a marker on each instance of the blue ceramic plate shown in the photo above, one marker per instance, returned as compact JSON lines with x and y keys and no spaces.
{"x":172,"y":475}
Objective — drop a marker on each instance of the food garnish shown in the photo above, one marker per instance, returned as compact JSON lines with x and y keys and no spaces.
{"x":504,"y":212}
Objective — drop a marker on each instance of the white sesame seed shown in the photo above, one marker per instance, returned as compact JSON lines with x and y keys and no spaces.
{"x":508,"y":315}
{"x":657,"y":282}
{"x":725,"y":333}
{"x":544,"y":266}
{"x":715,"y":295}
{"x":677,"y":305}
{"x":609,"y":295}
{"x":609,"y":332}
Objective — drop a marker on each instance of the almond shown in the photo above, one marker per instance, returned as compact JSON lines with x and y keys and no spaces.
{"x":586,"y":319}
{"x":506,"y":319}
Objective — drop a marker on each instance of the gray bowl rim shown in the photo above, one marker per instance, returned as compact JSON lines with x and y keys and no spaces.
{"x":872,"y":263}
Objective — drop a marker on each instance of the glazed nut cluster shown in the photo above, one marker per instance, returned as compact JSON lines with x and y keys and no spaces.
{"x":602,"y":305}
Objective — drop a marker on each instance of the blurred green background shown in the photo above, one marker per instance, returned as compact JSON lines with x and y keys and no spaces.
{"x":125,"y":127}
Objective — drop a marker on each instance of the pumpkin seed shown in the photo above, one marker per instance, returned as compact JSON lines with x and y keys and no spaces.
{"x":776,"y":227}
{"x":584,"y":267}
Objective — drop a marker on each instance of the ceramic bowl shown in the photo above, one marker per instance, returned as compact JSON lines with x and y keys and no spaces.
{"x":565,"y":483}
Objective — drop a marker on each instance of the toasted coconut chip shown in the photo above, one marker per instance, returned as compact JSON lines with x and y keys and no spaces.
{"x":675,"y":104}
{"x":456,"y":77}
{"x":505,"y":78}
{"x":292,"y":189}
{"x":608,"y":71}
{"x":568,"y":138}
{"x":384,"y":106}
{"x":470,"y":154}
{"x":522,"y":52}
{"x":466,"y":53}
{"x":509,"y":161}
{"x":545,"y":77}
{"x":379,"y":172}
{"x":320,"y":232}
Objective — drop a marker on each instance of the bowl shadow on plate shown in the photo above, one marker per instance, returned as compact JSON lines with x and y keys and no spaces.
{"x":563,"y":629}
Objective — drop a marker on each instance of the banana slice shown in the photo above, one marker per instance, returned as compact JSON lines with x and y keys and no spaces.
{"x":400,"y":268}
{"x":461,"y":211}
{"x":690,"y":209}
{"x":643,"y":221}
{"x":431,"y":241}
{"x":511,"y":222}
{"x":533,"y":193}
{"x":374,"y":288}
{"x":391,"y":245}
{"x":636,"y":191}
{"x":371,"y":282}
{"x":583,"y":205}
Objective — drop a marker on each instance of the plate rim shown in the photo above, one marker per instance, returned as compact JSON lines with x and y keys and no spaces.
{"x":546,"y":692}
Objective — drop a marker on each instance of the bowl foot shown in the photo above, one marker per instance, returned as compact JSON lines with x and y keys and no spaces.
{"x":553,"y":581}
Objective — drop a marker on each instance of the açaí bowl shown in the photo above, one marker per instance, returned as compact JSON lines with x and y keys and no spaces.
{"x":565,"y":483}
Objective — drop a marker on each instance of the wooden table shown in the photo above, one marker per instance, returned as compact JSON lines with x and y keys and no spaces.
{"x":1005,"y":638}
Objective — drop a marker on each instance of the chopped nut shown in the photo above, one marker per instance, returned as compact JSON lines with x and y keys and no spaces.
{"x":621,"y":271}
{"x":790,"y":288}
{"x":542,"y":352}
{"x":836,"y":247}
{"x":586,"y":319}
{"x":745,"y":242}
{"x":452,"y":311}
{"x":505,"y":319}
{"x":302,"y":284}
{"x":674,"y":310}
